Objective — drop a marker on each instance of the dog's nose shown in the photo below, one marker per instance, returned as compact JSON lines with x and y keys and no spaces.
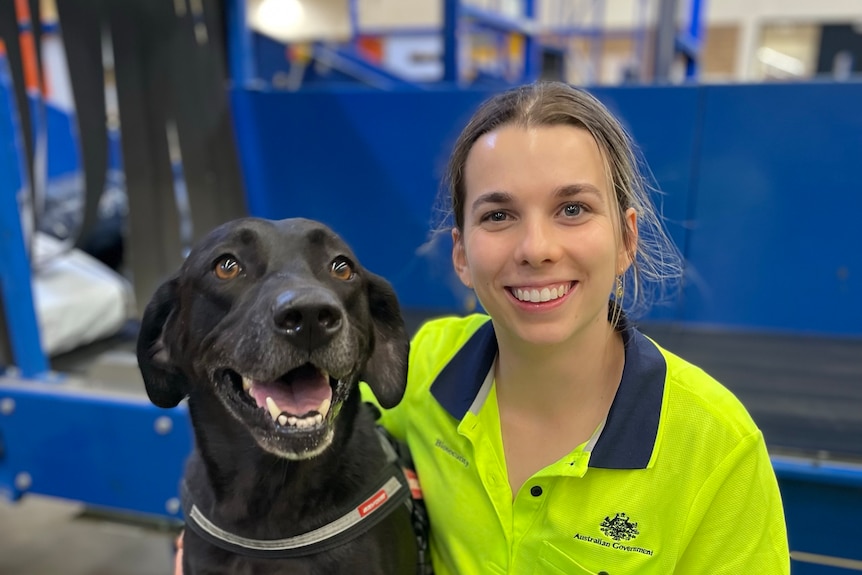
{"x":310,"y":319}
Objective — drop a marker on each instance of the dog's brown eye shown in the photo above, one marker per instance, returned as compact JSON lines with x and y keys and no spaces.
{"x":342,"y":269}
{"x":227,"y":268}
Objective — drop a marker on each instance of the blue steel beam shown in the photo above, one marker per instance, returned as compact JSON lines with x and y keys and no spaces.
{"x":499,"y":22}
{"x":15,"y":273}
{"x":451,"y":31}
{"x":241,"y":53}
{"x":105,"y":449}
{"x":532,"y":46}
{"x":823,"y":472}
{"x":355,"y":66}
{"x":694,"y":37}
{"x":822,"y":502}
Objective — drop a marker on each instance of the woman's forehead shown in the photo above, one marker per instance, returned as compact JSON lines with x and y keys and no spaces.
{"x":515,"y":155}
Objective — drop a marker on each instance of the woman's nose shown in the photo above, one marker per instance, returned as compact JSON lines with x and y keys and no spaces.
{"x":537,"y":244}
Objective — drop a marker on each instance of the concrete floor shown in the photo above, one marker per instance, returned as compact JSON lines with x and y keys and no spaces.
{"x":45,"y":536}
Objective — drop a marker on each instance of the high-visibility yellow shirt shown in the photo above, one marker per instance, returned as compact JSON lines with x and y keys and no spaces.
{"x":676,"y":480}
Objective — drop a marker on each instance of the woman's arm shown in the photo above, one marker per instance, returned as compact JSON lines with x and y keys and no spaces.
{"x":736,"y":523}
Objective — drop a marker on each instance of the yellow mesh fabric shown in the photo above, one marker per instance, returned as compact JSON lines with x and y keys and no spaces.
{"x":707,"y":502}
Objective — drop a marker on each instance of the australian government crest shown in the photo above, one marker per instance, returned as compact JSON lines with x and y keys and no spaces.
{"x":620,"y":529}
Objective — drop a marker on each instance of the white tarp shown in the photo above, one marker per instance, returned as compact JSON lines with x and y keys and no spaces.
{"x":78,"y":299}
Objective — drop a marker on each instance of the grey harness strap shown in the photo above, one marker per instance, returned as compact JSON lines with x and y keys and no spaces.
{"x":390,"y":490}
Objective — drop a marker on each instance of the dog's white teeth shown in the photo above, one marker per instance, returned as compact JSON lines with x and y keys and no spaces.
{"x":323,"y":409}
{"x":273,"y":409}
{"x":246,"y":384}
{"x":301,"y":423}
{"x":287,"y":420}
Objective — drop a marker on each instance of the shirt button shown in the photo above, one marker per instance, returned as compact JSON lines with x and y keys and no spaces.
{"x":603,"y":573}
{"x":535,"y":491}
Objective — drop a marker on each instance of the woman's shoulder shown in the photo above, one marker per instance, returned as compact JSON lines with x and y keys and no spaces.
{"x":436,"y":343}
{"x":694,"y":394}
{"x":446,"y":334}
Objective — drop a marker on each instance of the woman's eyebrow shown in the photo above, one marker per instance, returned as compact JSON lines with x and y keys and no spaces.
{"x":491,"y":198}
{"x":572,"y":190}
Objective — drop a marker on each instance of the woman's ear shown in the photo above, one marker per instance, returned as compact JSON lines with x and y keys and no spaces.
{"x":459,"y":258}
{"x":629,"y":245}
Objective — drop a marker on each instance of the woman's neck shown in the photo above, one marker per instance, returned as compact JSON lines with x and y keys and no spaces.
{"x":581,"y":373}
{"x":553,"y":398}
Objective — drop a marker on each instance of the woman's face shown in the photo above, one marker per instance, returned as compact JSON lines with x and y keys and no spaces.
{"x":541,"y":243}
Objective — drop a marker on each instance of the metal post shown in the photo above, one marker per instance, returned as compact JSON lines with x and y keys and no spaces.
{"x":597,"y":40}
{"x":665,"y":40}
{"x":532,"y":45}
{"x":451,"y":10}
{"x":695,"y":31}
{"x":640,"y":43}
{"x":240,"y":45}
{"x":15,"y":288}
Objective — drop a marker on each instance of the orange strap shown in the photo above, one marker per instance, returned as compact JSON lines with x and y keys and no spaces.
{"x":28,"y":46}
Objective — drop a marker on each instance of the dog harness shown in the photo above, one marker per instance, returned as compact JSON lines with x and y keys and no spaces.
{"x":396,"y":485}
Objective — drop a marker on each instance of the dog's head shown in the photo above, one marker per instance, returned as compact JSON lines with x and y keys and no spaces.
{"x":280,"y":321}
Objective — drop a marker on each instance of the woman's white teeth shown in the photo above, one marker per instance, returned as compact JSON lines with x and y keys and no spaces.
{"x":543,"y":295}
{"x":310,"y":420}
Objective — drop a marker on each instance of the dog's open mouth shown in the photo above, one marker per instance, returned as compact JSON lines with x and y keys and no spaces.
{"x":304,"y":399}
{"x":301,"y":398}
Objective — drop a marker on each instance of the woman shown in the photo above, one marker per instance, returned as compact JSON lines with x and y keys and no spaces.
{"x":550,"y":436}
{"x":554,"y":437}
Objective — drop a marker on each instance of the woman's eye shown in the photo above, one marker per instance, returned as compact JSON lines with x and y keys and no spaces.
{"x":227,"y":268}
{"x":498,"y":216}
{"x":573,"y":209}
{"x":341,"y":269}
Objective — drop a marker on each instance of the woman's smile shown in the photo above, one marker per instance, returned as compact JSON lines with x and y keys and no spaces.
{"x":548,"y":294}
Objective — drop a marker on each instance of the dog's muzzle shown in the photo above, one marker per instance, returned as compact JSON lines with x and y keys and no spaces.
{"x":291,"y":416}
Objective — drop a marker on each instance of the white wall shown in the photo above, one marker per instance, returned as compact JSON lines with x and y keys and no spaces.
{"x":386,"y":14}
{"x":616,"y":13}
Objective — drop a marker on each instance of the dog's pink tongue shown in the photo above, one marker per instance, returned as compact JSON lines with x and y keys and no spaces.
{"x":300,"y":394}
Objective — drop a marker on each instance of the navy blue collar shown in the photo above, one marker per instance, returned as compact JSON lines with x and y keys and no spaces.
{"x":629,"y":435}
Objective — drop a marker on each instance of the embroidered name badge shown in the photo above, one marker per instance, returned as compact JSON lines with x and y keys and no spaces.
{"x":439,"y":444}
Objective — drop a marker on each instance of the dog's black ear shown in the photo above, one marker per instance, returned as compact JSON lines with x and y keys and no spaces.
{"x":386,"y":370}
{"x":166,"y":384}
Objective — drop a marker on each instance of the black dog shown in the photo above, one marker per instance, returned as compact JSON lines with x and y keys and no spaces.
{"x":267,"y":328}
